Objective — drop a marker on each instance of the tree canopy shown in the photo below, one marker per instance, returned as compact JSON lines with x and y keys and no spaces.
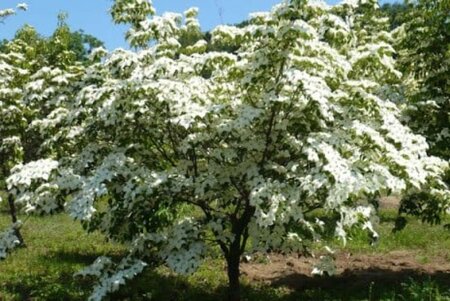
{"x":178,"y":149}
{"x":26,"y":58}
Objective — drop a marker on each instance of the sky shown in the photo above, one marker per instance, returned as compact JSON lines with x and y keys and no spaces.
{"x":92,"y":15}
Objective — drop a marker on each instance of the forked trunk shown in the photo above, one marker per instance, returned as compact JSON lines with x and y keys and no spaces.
{"x":234,"y":251}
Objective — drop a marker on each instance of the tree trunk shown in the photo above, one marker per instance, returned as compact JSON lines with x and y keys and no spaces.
{"x":234,"y":286}
{"x":239,"y":228}
{"x":13,"y":213}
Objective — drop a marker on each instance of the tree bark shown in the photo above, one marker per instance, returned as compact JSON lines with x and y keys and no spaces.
{"x":13,"y":213}
{"x":239,"y":228}
{"x":234,"y":286}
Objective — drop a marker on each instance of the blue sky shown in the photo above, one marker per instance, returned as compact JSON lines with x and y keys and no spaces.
{"x":92,"y":15}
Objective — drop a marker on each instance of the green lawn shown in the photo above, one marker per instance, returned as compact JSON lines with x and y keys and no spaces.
{"x":422,"y":238}
{"x":58,"y":247}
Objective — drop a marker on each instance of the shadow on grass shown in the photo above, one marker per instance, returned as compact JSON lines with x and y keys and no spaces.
{"x":76,"y":257}
{"x":52,"y":278}
{"x":154,"y":286}
{"x":49,"y":286}
{"x":356,"y":284}
{"x":365,"y":284}
{"x":388,"y":217}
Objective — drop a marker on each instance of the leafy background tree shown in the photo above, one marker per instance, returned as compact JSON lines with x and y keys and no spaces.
{"x":27,"y":57}
{"x":396,"y":12}
{"x":424,"y":58}
{"x":423,"y":46}
{"x":48,"y":50}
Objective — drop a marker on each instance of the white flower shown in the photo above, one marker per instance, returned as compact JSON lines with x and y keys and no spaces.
{"x":22,"y":6}
{"x":24,"y":175}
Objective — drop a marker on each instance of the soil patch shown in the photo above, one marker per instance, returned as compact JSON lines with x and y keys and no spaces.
{"x":353,"y":271}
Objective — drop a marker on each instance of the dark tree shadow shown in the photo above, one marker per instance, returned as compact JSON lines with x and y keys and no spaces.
{"x":76,"y":257}
{"x":54,"y":280}
{"x":362,"y":284}
{"x":357,"y":279}
{"x":367,"y":284}
{"x":51,"y":286}
{"x":356,"y":284}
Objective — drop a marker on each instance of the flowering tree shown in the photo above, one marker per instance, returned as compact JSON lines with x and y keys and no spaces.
{"x":25,"y":70}
{"x":176,"y":150}
{"x":423,"y":44}
{"x":10,"y":150}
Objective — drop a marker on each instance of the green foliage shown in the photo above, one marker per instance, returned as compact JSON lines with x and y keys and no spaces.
{"x":423,"y":44}
{"x":66,"y":46}
{"x":63,"y":47}
{"x":396,"y":12}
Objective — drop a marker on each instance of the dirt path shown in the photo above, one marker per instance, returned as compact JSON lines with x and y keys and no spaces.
{"x":353,"y":271}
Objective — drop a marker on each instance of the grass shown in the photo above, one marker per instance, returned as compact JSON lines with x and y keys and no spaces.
{"x":58,"y":247}
{"x":425,"y":240}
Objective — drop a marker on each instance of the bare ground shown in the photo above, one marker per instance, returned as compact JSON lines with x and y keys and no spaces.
{"x":390,"y":202}
{"x":353,"y":271}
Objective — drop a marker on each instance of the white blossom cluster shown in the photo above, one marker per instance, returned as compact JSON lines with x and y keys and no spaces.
{"x":22,"y":6}
{"x":184,"y":249}
{"x":326,"y":266}
{"x":32,"y":187}
{"x":181,"y":248}
{"x":8,"y":240}
{"x":12,"y":123}
{"x":111,"y":276}
{"x":23,"y":175}
{"x":6,"y":12}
